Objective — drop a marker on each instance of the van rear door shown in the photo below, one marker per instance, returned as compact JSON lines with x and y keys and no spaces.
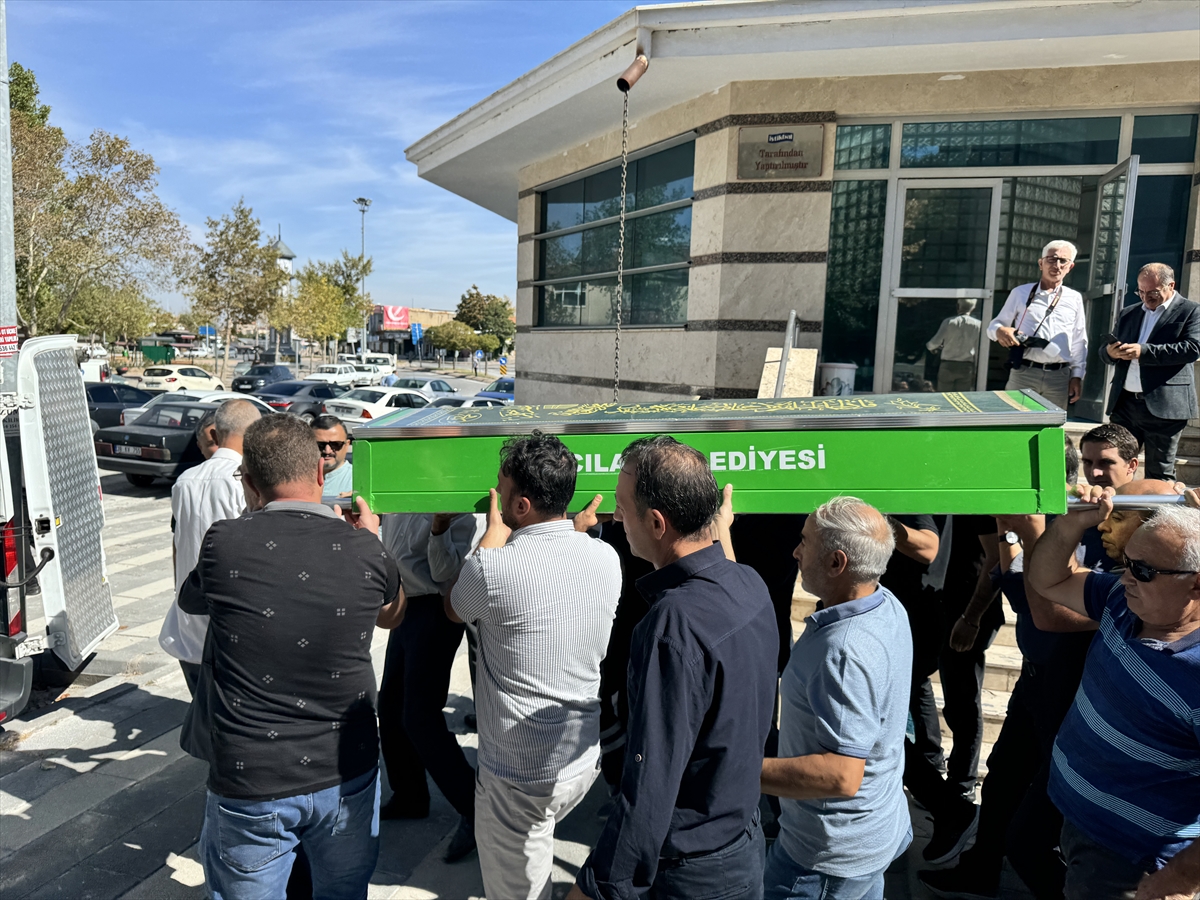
{"x":62,"y":490}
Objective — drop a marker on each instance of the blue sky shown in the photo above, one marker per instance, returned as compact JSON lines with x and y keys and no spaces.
{"x":301,"y":107}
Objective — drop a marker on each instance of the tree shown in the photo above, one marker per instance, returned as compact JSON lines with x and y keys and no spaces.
{"x":453,"y":336}
{"x":318,"y":311}
{"x":23,"y":93}
{"x":487,"y":314}
{"x":237,"y":279}
{"x":122,"y":314}
{"x":347,"y":274}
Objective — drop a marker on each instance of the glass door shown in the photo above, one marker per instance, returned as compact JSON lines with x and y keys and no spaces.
{"x":1115,"y":196}
{"x":942,"y":272}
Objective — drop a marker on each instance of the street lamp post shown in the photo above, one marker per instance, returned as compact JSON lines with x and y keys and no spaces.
{"x":363,"y":205}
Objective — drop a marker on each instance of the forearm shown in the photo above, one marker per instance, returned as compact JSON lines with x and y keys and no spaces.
{"x":981,"y":600}
{"x":1053,"y":563}
{"x":1180,"y":353}
{"x":392,"y":614}
{"x":1179,"y":878}
{"x":915,"y":543}
{"x":812,"y":777}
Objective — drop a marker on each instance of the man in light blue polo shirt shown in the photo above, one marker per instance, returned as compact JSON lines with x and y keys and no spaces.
{"x":845,"y":710}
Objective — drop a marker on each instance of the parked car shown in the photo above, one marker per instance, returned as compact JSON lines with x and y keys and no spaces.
{"x":242,"y":368}
{"x":467,"y":401}
{"x":368,"y":373}
{"x":335,"y":373}
{"x":106,"y":401}
{"x":160,"y":444}
{"x":500,"y":389}
{"x":429,"y":385}
{"x":129,"y":416}
{"x":300,"y":398}
{"x":179,"y":378}
{"x":362,"y":404}
{"x":257,"y":377}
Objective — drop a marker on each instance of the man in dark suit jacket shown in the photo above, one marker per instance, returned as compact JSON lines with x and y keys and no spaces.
{"x":1153,"y":390}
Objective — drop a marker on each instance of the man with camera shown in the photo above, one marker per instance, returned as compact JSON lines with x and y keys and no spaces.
{"x":1043,"y":327}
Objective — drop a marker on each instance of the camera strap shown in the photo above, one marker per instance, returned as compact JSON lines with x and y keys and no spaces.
{"x":1049,"y":309}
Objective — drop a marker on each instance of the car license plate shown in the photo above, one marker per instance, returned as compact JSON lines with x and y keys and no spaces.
{"x":126,"y":450}
{"x":341,"y":409}
{"x":30,"y":647}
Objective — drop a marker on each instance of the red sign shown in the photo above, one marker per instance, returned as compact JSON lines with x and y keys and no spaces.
{"x":395,"y":318}
{"x":8,"y":340}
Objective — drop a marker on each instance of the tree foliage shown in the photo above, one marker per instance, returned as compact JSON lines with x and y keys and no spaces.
{"x":122,"y":314}
{"x":237,"y":279}
{"x":487,"y":314}
{"x":453,"y":336}
{"x":23,"y":94}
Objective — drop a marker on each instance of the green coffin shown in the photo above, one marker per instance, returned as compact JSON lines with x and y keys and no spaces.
{"x":986,"y":452}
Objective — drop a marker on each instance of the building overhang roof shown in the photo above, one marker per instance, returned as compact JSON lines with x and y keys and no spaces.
{"x":700,"y":47}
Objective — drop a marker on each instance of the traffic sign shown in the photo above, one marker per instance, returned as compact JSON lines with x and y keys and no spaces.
{"x":417,"y":332}
{"x":351,"y":335}
{"x":504,"y":360}
{"x":479,"y":354}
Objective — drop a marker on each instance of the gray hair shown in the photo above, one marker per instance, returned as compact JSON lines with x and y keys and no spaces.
{"x":1183,"y":522}
{"x":858,"y":530}
{"x":280,"y":450}
{"x":966,"y":305}
{"x":1160,"y":272}
{"x":234,"y":417}
{"x":1060,"y":245}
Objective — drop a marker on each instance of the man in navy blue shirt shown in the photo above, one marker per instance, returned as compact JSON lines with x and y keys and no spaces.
{"x":701,"y":696}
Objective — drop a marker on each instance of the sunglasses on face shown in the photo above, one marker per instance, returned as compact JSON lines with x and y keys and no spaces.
{"x":335,"y":446}
{"x":1145,"y":573}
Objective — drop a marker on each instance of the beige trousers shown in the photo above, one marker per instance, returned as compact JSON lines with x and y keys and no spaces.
{"x":514,"y":830}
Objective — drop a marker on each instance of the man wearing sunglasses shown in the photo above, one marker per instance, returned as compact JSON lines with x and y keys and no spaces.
{"x":1126,"y":759}
{"x":1153,"y":389}
{"x":1042,"y":325}
{"x":334,"y":444}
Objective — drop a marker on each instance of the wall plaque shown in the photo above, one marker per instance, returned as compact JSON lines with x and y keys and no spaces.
{"x":780,"y":152}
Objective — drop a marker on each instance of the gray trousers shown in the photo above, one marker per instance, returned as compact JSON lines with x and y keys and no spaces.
{"x":1050,"y":383}
{"x":956,"y":375}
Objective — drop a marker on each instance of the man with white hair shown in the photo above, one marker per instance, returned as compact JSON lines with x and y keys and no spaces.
{"x":1042,"y":325}
{"x":1126,"y":763}
{"x":958,"y":339}
{"x":201,"y":496}
{"x":1153,"y":388}
{"x":844,"y":713}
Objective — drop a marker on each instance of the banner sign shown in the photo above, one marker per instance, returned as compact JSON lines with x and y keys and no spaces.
{"x":780,"y":152}
{"x":395,"y":318}
{"x":8,"y":340}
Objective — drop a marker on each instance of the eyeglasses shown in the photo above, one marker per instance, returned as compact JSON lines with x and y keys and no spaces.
{"x":1145,"y":573}
{"x":1058,"y":261}
{"x":238,"y":473}
{"x":335,"y":446}
{"x":1146,"y":295}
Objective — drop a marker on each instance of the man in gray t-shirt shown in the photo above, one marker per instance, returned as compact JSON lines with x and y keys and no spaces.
{"x":543,"y":597}
{"x":844,"y":713}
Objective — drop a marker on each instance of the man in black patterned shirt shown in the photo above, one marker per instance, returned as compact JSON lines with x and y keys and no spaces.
{"x":284,"y":712}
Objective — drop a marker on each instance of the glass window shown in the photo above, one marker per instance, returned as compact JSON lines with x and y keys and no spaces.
{"x":1159,"y":225}
{"x":365,"y":396}
{"x":1164,"y":139}
{"x":862,"y":147}
{"x":853,"y":276}
{"x":102,"y":394}
{"x":945,"y":237}
{"x":1017,"y":142}
{"x":590,"y":255}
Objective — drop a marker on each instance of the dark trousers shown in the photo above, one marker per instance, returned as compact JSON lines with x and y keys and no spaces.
{"x":1095,"y":872}
{"x":962,"y":695}
{"x":928,"y":635}
{"x":735,"y":872}
{"x":412,"y":726}
{"x":1160,"y":437}
{"x":191,"y":676}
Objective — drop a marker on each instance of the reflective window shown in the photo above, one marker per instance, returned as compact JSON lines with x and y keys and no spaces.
{"x":852,"y":283}
{"x":581,"y":266}
{"x":862,"y":147}
{"x":1016,"y":142}
{"x":1164,"y":139}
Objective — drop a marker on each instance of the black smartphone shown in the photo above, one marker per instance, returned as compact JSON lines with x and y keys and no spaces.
{"x":1109,"y":338}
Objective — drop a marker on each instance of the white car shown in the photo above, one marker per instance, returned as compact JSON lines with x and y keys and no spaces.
{"x":179,"y":378}
{"x":367,"y":374}
{"x":335,"y":373}
{"x":467,"y":401}
{"x":363,"y":404}
{"x":130,"y":414}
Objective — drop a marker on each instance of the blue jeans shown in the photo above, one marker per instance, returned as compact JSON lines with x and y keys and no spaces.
{"x":246,"y":845}
{"x":732,"y":873}
{"x":786,"y":879}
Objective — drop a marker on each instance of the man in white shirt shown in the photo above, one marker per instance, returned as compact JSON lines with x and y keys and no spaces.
{"x":201,"y":496}
{"x":1153,"y":386}
{"x":958,"y":338}
{"x":1046,"y":320}
{"x":334,"y":443}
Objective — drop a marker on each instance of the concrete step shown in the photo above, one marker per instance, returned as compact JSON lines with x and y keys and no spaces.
{"x":995,"y":705}
{"x":1003,"y":669}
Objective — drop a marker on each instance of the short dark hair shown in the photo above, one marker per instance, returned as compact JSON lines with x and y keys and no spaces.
{"x":543,"y":470}
{"x":279,"y":450}
{"x":326,"y":422}
{"x":1072,"y":460}
{"x":674,"y":479}
{"x":1116,"y":436}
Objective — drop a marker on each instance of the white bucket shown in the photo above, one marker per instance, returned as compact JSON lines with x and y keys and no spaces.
{"x":837,"y":379}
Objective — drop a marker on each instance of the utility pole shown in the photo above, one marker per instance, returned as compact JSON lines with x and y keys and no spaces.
{"x":363,"y":205}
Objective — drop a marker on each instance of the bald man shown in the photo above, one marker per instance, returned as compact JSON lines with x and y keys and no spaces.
{"x":1122,"y":522}
{"x":201,"y":496}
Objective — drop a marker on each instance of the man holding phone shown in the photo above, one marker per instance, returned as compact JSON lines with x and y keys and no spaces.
{"x":1153,"y":388}
{"x":1042,"y":325}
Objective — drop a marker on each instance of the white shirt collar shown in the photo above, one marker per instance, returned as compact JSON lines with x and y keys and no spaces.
{"x":226,"y":453}
{"x":1162,"y":306}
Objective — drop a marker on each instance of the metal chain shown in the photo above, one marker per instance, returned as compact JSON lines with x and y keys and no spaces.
{"x":621,"y":249}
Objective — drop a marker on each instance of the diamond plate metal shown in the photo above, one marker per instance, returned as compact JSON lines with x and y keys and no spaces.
{"x":75,"y":498}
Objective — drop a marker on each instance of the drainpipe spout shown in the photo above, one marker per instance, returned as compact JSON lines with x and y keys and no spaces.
{"x":640,"y":64}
